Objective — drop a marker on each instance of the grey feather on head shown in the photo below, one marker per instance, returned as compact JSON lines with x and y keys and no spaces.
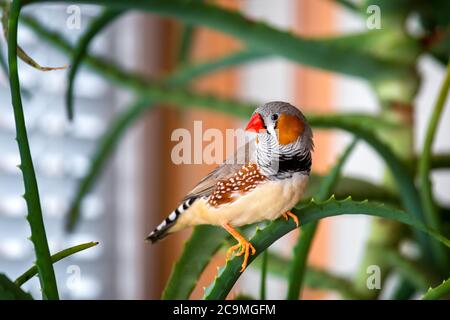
{"x":268,"y":109}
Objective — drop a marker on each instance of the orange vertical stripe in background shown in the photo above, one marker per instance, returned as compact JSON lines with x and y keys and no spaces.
{"x":211,"y":44}
{"x":207,"y":45}
{"x":313,"y":93}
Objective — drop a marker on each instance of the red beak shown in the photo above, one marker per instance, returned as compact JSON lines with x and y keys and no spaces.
{"x":256,"y":123}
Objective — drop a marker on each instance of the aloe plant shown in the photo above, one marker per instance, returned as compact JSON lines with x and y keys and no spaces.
{"x":386,"y":58}
{"x":438,"y":292}
{"x":10,"y":291}
{"x":31,"y":196}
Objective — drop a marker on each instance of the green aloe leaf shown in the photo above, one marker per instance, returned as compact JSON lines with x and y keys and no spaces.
{"x":96,"y":26}
{"x":298,"y":264}
{"x":31,"y":196}
{"x":203,"y":244}
{"x":11,"y":291}
{"x":349,"y":5}
{"x":188,"y":71}
{"x":264,"y":266}
{"x":438,"y":292}
{"x":426,"y":193}
{"x":440,"y":49}
{"x":440,"y":161}
{"x":403,"y":290}
{"x":264,"y":38}
{"x":187,"y":35}
{"x":186,"y":41}
{"x":262,"y":239}
{"x":30,"y":273}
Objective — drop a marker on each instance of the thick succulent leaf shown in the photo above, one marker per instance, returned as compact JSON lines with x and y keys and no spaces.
{"x":197,"y":252}
{"x":264,"y":266}
{"x":11,"y":291}
{"x":432,"y":215}
{"x":184,"y":50}
{"x":262,"y":239}
{"x":438,"y":292}
{"x":34,"y":216}
{"x":95,"y":27}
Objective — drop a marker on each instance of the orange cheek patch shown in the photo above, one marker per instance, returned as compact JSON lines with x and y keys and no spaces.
{"x":289,"y":128}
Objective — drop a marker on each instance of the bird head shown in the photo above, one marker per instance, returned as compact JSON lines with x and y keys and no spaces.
{"x":283,"y":123}
{"x":284,"y":140}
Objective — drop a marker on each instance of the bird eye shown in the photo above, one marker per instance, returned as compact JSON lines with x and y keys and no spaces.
{"x":274,"y":117}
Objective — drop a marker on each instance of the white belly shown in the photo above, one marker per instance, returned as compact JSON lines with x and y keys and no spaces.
{"x":266,"y":202}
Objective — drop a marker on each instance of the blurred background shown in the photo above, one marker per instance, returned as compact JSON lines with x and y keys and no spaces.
{"x":141,"y":185}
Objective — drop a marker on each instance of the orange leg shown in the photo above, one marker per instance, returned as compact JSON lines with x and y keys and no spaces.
{"x":288,"y":214}
{"x":244,"y":246}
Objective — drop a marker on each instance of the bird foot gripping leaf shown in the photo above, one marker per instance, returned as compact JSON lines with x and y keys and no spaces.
{"x":243,"y":245}
{"x":288,"y":214}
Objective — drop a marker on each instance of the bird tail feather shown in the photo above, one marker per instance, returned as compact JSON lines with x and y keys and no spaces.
{"x":162,"y":230}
